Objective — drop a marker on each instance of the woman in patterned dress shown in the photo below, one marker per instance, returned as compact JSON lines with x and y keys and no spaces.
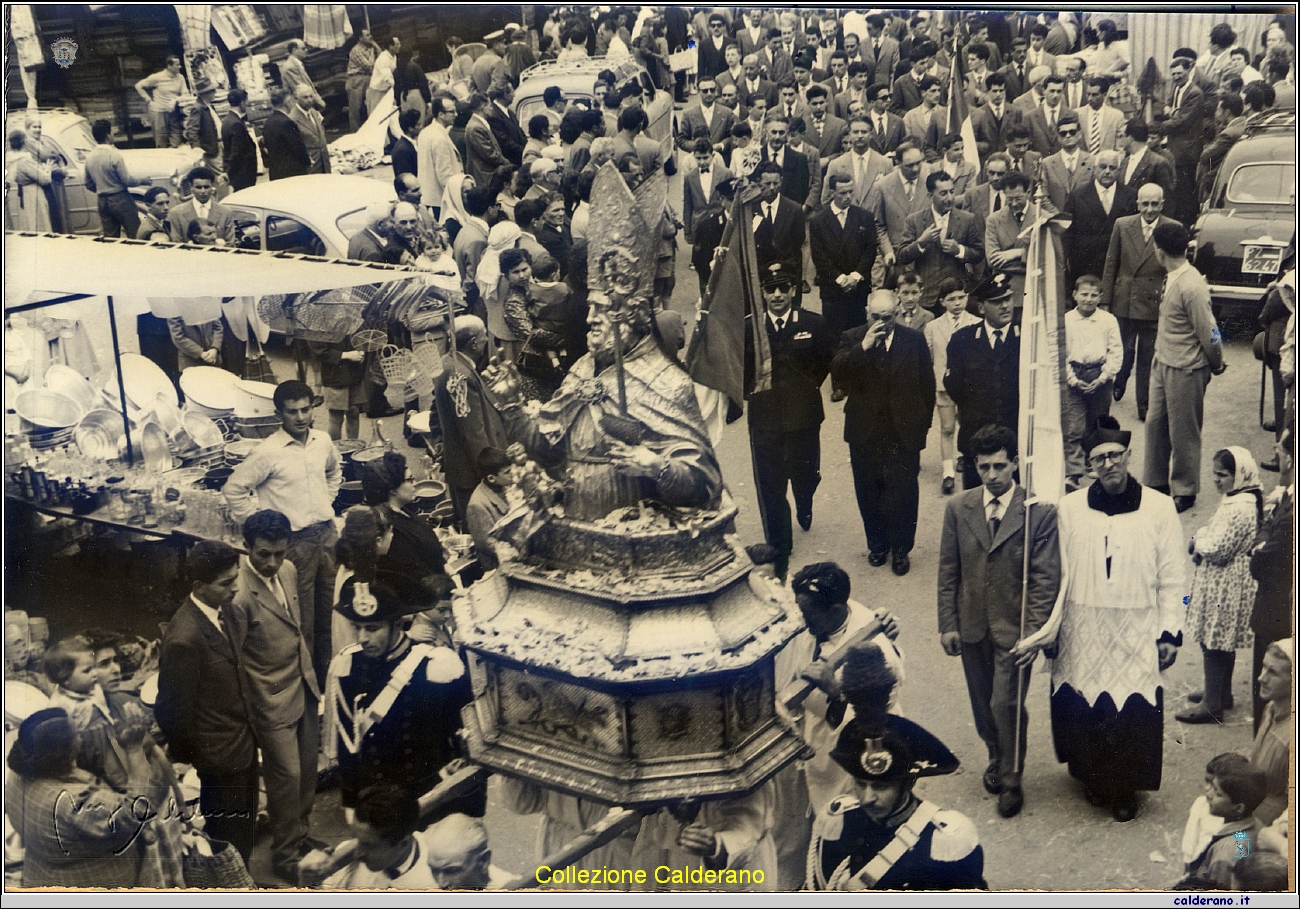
{"x":1223,"y":591}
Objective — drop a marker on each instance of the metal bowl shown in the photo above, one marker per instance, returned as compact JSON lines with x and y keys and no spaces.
{"x":254,"y":399}
{"x":143,"y":380}
{"x":202,"y":430}
{"x":209,"y":390}
{"x":67,"y":381}
{"x":48,"y":409}
{"x":99,"y":433}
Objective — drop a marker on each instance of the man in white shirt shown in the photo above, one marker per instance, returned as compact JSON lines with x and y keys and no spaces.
{"x":438,"y":156}
{"x":384,"y":74}
{"x":1074,"y":85}
{"x":1094,"y":353}
{"x":203,"y":183}
{"x":297,"y":471}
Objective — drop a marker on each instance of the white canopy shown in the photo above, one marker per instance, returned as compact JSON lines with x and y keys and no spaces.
{"x":57,"y":264}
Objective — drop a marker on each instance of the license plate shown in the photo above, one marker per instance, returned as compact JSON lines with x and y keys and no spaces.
{"x":1261,"y":260}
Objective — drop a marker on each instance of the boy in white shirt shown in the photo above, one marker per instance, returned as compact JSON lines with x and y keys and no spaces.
{"x":1094,"y":353}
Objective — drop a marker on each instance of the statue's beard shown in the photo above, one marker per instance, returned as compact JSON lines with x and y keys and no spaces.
{"x":600,"y":343}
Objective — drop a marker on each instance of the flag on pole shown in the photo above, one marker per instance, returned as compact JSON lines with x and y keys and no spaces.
{"x":958,"y":111}
{"x":729,"y":349}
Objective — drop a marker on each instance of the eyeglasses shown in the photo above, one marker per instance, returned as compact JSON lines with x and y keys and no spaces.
{"x":1110,"y":457}
{"x":1068,"y":132}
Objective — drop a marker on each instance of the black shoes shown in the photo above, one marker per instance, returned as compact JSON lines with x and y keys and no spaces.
{"x":1010,"y":801}
{"x":902,"y":564}
{"x":1125,"y":808}
{"x":1184,"y":503}
{"x":992,"y":782}
{"x":949,"y":484}
{"x":805,"y":520}
{"x":876,"y":559}
{"x":1197,"y":696}
{"x":838,"y":394}
{"x":1197,"y":715}
{"x":1119,"y":392}
{"x":1271,"y":465}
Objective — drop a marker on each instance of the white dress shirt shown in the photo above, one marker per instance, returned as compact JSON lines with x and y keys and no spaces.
{"x":1093,"y":341}
{"x":1106,"y":195}
{"x":297,"y":479}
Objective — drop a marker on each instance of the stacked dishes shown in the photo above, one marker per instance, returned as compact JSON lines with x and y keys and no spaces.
{"x":236,"y":452}
{"x":67,"y":381}
{"x":143,"y":380}
{"x":100,"y":433}
{"x":49,"y":418}
{"x":210,"y":391}
{"x":255,"y":416}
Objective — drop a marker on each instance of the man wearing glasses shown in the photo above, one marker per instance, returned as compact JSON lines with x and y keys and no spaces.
{"x":886,"y":128}
{"x":710,"y":115}
{"x":1069,"y":168}
{"x":711,"y":50}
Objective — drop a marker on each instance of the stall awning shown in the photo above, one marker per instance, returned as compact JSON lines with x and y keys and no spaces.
{"x":58,"y":264}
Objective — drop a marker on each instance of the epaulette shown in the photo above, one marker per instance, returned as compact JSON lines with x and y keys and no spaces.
{"x":444,"y":665}
{"x":955,"y":837}
{"x":341,"y":665}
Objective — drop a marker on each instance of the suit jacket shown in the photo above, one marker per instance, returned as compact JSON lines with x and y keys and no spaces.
{"x":312,"y":127}
{"x":830,"y":138}
{"x":777,"y":66}
{"x":888,"y":202}
{"x":1185,"y":128}
{"x":932,"y":263}
{"x":285,"y":151}
{"x":483,"y":153}
{"x":983,"y":384}
{"x":710,"y":60}
{"x":890,"y":393}
{"x":1001,"y":234}
{"x":405,"y":159}
{"x":1133,"y":282}
{"x":766,"y":89}
{"x":1153,"y":168}
{"x":201,"y":706}
{"x":1075,"y":97}
{"x":1017,"y":83}
{"x":877,"y":166}
{"x":1027,"y":102}
{"x":510,"y":137}
{"x":1112,"y":121}
{"x":746,"y":40}
{"x":1059,"y":182}
{"x":907,"y":95}
{"x":192,"y":340}
{"x":887,"y":140}
{"x":981,"y":577}
{"x":468,"y":249}
{"x":783,"y":241}
{"x":694,"y":202}
{"x":240,"y":155}
{"x":801,"y":358}
{"x":796,"y":181}
{"x":274,"y":654}
{"x":366,"y":246}
{"x":884,"y":63}
{"x":1045,"y":141}
{"x":845,"y":98}
{"x":201,"y":130}
{"x":182,"y":216}
{"x":691,"y":122}
{"x":991,"y":134}
{"x":1030,"y":166}
{"x":465,"y":437}
{"x":1088,"y":237}
{"x":838,"y":251}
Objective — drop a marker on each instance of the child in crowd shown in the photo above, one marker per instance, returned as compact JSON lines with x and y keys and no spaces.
{"x":1094,"y":355}
{"x":435,"y":624}
{"x":910,"y":314}
{"x":1233,"y":792}
{"x":952,"y":297}
{"x":487,"y":504}
{"x":1201,"y":825}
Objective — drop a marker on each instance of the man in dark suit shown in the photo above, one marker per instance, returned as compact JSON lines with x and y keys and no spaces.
{"x":1024,"y":159}
{"x":711,"y":48}
{"x":1043,"y":120}
{"x":994,"y":120}
{"x":201,"y":706}
{"x":785,"y":421}
{"x":714,"y":118}
{"x":795,"y":179}
{"x":879,"y":52}
{"x":907,"y":87}
{"x":265,"y":626}
{"x":886,"y":128}
{"x":510,"y":137}
{"x":942,"y":241}
{"x":483,"y":154}
{"x":843,"y":241}
{"x":1141,"y":165}
{"x":773,"y":60}
{"x":1093,"y":209}
{"x":1185,"y":135}
{"x":859,"y":79}
{"x":710,"y":227}
{"x":404,"y":157}
{"x":1017,"y":71}
{"x":983,"y":377}
{"x":778,"y":224}
{"x":982,"y":574}
{"x":470,"y":422}
{"x":1131,"y":289}
{"x":753,"y":85}
{"x":201,"y":128}
{"x":239,"y":153}
{"x":825,"y":130}
{"x":370,"y":244}
{"x":284,"y":150}
{"x":203,"y":185}
{"x":889,"y":377}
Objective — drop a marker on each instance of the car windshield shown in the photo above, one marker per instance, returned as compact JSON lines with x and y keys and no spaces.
{"x":531,"y":107}
{"x":1262,"y":183}
{"x":352,"y":222}
{"x":78,"y":139}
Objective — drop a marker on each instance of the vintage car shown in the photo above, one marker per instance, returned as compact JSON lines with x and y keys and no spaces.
{"x":69,"y":133}
{"x":316,"y":214}
{"x":576,"y":78}
{"x":1247,"y":224}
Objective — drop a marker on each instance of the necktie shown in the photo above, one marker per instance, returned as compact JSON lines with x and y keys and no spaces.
{"x":771,"y":212}
{"x":841,"y":216}
{"x":909,"y":187}
{"x":1146,"y":232}
{"x":858,"y":171}
{"x":1069,"y":164}
{"x":780,"y":325}
{"x":994,"y":521}
{"x":997,"y":201}
{"x":1106,"y":202}
{"x":1051,"y":120}
{"x":997,"y":341}
{"x":1094,"y":133}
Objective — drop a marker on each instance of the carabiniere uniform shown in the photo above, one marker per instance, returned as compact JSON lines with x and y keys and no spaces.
{"x":395,"y":719}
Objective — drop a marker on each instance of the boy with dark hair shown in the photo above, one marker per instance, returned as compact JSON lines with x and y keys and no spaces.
{"x":1233,"y":793}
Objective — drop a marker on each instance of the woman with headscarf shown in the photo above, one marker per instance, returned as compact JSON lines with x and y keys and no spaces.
{"x":26,"y":178}
{"x":77,"y":830}
{"x":492,"y":284}
{"x":415,"y":551}
{"x":454,"y":216}
{"x":1223,"y":592}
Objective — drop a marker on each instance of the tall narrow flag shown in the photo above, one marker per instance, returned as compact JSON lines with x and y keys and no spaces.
{"x":958,"y":111}
{"x":729,"y":315}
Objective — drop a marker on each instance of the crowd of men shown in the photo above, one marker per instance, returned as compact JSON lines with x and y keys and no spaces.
{"x":839,"y":147}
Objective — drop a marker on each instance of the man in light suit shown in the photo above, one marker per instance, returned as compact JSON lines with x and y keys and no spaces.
{"x":983,"y":199}
{"x":753,"y":85}
{"x":1131,"y":290}
{"x":1101,"y":123}
{"x":789,"y":104}
{"x":859,"y":79}
{"x":201,"y":706}
{"x":482,"y":151}
{"x":825,"y":130}
{"x":710,"y":115}
{"x":700,"y":186}
{"x":879,"y":52}
{"x":1068,"y":169}
{"x":1044,"y":122}
{"x":1033,"y":96}
{"x":196,"y":345}
{"x":1036,"y":56}
{"x":941,"y":241}
{"x":887,"y":373}
{"x":439,"y":159}
{"x":1093,"y":209}
{"x":312,"y":127}
{"x":982,"y":577}
{"x":1005,"y":250}
{"x":751,"y":31}
{"x":280,"y":686}
{"x":1141,"y":165}
{"x":773,"y":59}
{"x":844,"y":245}
{"x":927,"y":123}
{"x":203,"y":183}
{"x":896,"y":197}
{"x":861,"y":163}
